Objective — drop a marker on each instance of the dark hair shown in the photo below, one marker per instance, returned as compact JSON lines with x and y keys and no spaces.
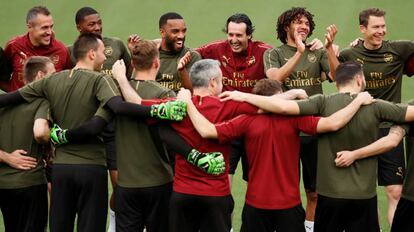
{"x":34,"y":11}
{"x":288,"y":17}
{"x":267,"y":87}
{"x":83,"y":12}
{"x":84,"y":43}
{"x":33,"y":65}
{"x":240,"y":18}
{"x":167,"y":16}
{"x":143,"y":54}
{"x":364,"y":15}
{"x":345,"y":72}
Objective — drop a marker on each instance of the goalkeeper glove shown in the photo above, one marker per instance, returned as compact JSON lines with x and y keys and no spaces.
{"x":171,"y":110}
{"x":58,"y":135}
{"x":211,"y":162}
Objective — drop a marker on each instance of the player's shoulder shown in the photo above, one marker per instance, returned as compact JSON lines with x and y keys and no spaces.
{"x":15,"y":40}
{"x":215,"y":44}
{"x":112,"y":41}
{"x":261,"y":45}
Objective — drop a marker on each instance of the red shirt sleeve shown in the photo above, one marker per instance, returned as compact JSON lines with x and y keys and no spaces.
{"x":308,"y":124}
{"x":235,"y":128}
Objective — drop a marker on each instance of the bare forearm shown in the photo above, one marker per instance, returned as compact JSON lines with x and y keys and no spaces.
{"x":280,"y":74}
{"x":382,"y":145}
{"x":128,"y":93}
{"x":185,"y":79}
{"x":41,"y":131}
{"x":333,"y":62}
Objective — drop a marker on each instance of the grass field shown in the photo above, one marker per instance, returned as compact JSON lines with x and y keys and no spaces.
{"x":205,"y":20}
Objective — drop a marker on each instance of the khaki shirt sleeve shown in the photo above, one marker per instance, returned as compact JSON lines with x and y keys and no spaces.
{"x":34,"y":90}
{"x":405,"y":48}
{"x":271,"y":59}
{"x":195,"y":56}
{"x":312,"y":105}
{"x":324,"y":63}
{"x":388,"y":111}
{"x":43,"y":111}
{"x":104,"y":113}
{"x":106,"y":89}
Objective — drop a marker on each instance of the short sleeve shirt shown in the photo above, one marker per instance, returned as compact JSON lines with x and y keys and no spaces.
{"x":75,"y":96}
{"x":383,"y":68}
{"x":167,"y":74}
{"x":307,"y":73}
{"x":359,"y":180}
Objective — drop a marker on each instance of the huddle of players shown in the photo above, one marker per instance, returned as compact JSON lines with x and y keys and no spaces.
{"x":199,"y":200}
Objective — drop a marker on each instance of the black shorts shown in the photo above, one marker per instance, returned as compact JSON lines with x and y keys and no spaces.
{"x":136,"y":208}
{"x":189,"y":213}
{"x":265,"y":220}
{"x":238,"y":152}
{"x":108,"y":136}
{"x":82,"y":190}
{"x":24,"y":209}
{"x":337,"y":215}
{"x":391,"y":165}
{"x":403,"y":217}
{"x":308,"y":155}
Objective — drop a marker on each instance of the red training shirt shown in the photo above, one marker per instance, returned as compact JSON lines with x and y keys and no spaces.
{"x":20,"y":48}
{"x":189,"y":179}
{"x":242,"y":70}
{"x":272,"y":146}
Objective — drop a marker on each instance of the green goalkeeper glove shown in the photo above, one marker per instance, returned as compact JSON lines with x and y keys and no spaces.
{"x":171,"y":110}
{"x":211,"y":162}
{"x":58,"y":135}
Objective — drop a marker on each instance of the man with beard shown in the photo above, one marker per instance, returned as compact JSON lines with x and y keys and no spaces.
{"x":297,"y":67}
{"x":172,"y":49}
{"x":23,"y":190}
{"x":346,"y":196}
{"x":272,"y":145}
{"x":88,"y":20}
{"x":79,"y":177}
{"x":383,"y":65}
{"x":38,"y":41}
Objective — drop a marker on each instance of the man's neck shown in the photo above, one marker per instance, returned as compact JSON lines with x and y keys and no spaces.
{"x":291,"y":42}
{"x":84,"y":65}
{"x":370,"y":46}
{"x":203,"y":92}
{"x":145,"y":75}
{"x":349,"y":89}
{"x":34,"y":43}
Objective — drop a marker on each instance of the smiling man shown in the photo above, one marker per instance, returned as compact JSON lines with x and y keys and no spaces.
{"x":172,"y":49}
{"x":38,"y":41}
{"x":383,"y":65}
{"x":296,"y":66}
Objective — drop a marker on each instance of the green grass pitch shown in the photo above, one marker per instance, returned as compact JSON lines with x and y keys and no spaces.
{"x":205,"y":21}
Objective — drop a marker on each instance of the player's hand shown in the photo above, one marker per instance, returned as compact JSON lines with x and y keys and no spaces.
{"x":171,"y":110}
{"x":344,"y":159}
{"x":132,"y":41}
{"x":58,"y":135}
{"x":315,"y":44}
{"x":184,"y":61}
{"x":210,"y":162}
{"x":184,"y":95}
{"x":18,"y":160}
{"x":300,"y":46}
{"x":365,"y":98}
{"x":119,"y":70}
{"x":233,"y":95}
{"x":355,"y":42}
{"x":330,"y":36}
{"x":300,"y":93}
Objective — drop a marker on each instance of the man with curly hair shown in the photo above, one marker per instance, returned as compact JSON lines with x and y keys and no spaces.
{"x":297,"y":66}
